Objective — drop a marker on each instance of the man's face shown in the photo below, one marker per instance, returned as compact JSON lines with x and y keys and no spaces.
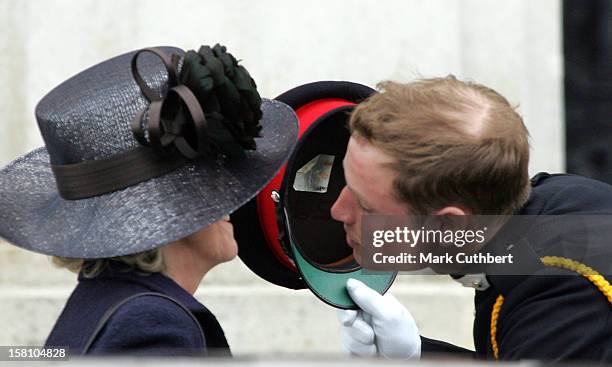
{"x":369,"y":190}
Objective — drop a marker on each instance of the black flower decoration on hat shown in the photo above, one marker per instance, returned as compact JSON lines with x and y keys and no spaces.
{"x":212,"y":108}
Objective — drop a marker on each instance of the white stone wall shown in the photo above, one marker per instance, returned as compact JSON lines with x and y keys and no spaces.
{"x":512,"y":46}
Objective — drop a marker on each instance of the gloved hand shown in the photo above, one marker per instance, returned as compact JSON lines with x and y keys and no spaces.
{"x":356,"y":334}
{"x":382,"y":327}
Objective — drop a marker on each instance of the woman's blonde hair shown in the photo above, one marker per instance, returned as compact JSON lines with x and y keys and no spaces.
{"x":150,"y":261}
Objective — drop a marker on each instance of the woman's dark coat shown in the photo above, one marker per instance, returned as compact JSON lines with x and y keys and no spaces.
{"x":146,"y":325}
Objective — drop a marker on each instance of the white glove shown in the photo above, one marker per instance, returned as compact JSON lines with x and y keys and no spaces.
{"x":356,"y":334}
{"x":382,"y":327}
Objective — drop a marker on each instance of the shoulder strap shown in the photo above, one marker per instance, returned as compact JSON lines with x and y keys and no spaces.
{"x":560,"y":262}
{"x":109,"y":313}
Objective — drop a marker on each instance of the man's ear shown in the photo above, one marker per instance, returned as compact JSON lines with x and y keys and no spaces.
{"x":453,"y":210}
{"x":452,"y":218}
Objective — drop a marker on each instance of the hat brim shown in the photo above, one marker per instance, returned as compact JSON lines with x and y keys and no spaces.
{"x":144,"y":216}
{"x":330,"y":286}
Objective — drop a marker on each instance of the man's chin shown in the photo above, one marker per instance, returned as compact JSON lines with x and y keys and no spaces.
{"x":357,"y":257}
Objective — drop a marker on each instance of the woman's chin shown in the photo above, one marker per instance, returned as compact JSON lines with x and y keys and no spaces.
{"x":231,"y":251}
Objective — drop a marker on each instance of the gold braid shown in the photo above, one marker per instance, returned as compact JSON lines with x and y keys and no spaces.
{"x":560,"y":262}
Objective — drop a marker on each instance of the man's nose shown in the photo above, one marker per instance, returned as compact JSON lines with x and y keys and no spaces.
{"x":342,"y":209}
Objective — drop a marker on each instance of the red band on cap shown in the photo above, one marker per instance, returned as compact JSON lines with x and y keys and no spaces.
{"x":307,"y":115}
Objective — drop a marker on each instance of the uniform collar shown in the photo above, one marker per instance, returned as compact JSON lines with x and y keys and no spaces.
{"x":476,"y":281}
{"x":510,"y":240}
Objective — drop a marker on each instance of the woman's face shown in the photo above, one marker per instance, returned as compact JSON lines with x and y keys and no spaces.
{"x":189,"y":259}
{"x":215,"y":244}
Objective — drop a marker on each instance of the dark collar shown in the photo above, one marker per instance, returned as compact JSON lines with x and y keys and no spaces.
{"x":153,"y":282}
{"x":509,"y":241}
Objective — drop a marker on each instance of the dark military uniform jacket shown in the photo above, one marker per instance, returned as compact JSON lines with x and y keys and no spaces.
{"x":552,"y":314}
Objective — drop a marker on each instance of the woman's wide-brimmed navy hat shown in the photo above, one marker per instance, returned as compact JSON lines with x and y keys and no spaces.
{"x":141,"y":150}
{"x":286,"y":234}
